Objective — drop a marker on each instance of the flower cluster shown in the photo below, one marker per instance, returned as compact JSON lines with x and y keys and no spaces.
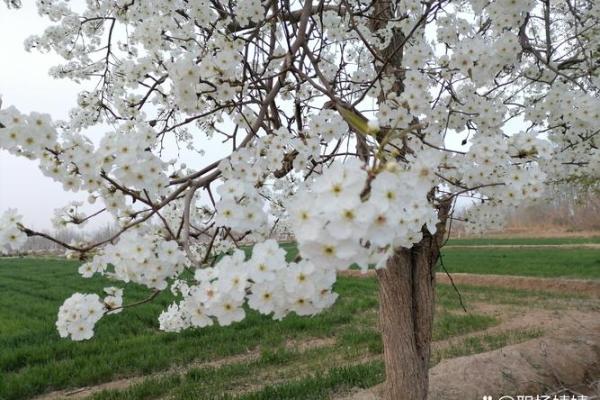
{"x":69,"y":214}
{"x":28,"y":135}
{"x":78,"y":316}
{"x":336,"y":29}
{"x":265,"y":282}
{"x":249,"y":11}
{"x":471,"y":59}
{"x":10,"y":235}
{"x":145,"y":259}
{"x":487,"y":217}
{"x":343,"y":218}
{"x":508,"y":12}
{"x":113,"y":300}
{"x":241,"y":207}
{"x":328,"y":124}
{"x":126,"y":157}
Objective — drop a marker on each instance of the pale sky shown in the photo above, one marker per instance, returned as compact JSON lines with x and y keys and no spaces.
{"x":24,"y":83}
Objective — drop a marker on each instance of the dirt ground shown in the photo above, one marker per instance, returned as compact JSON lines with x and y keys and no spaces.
{"x":525,"y":283}
{"x":538,"y":232}
{"x":513,"y":282}
{"x":524,"y":246}
{"x":566,"y":358}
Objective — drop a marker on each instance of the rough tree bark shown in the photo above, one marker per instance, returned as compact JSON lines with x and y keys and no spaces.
{"x":406,"y":307}
{"x":406,"y":285}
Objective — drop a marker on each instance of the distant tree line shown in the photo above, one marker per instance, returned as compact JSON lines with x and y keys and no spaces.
{"x":41,"y":245}
{"x":572,"y":209}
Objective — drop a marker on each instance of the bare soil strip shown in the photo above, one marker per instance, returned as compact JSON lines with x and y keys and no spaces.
{"x":524,"y":246}
{"x":568,"y":356}
{"x":590,"y":287}
{"x":525,"y":283}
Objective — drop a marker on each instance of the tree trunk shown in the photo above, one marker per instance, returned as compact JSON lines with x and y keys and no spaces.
{"x":406,"y":308}
{"x":406,"y":285}
{"x":406,"y":304}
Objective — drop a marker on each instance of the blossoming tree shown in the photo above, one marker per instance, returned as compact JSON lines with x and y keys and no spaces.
{"x":356,"y":124}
